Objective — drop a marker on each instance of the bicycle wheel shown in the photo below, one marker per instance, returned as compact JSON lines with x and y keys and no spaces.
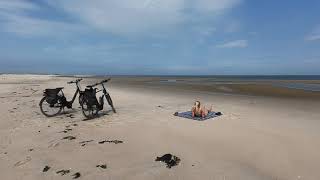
{"x":110,"y":102}
{"x":89,"y":111}
{"x":49,"y":110}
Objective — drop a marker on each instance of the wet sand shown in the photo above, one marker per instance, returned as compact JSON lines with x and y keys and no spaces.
{"x":257,"y":137}
{"x":267,"y":88}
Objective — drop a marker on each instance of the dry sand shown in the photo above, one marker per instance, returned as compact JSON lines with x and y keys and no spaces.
{"x":255,"y":138}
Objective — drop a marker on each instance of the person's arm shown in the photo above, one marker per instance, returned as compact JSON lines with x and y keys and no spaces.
{"x":193,"y":111}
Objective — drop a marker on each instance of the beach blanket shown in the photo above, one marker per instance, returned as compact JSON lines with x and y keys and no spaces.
{"x":188,"y":115}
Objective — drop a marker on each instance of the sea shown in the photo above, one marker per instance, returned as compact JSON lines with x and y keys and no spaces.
{"x":302,"y":82}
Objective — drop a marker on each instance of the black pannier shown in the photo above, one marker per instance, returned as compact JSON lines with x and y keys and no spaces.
{"x":52,"y":95}
{"x":90,"y":96}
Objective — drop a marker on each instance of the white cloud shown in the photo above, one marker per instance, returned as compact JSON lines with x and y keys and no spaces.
{"x":16,"y":5}
{"x":213,"y":5}
{"x":15,"y":18}
{"x":234,"y":44}
{"x":140,"y":16}
{"x":314,"y":35}
{"x":123,"y":17}
{"x":126,"y":16}
{"x":26,"y":26}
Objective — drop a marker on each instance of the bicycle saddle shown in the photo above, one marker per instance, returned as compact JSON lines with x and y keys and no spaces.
{"x":54,"y":90}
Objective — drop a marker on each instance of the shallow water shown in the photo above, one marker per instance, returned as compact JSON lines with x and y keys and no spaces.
{"x":246,"y":81}
{"x":302,"y":86}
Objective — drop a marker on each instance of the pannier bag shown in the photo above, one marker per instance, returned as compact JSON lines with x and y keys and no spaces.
{"x":90,"y":96}
{"x":52,"y":95}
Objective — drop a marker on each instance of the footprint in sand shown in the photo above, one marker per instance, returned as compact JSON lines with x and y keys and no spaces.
{"x":83,"y":143}
{"x":66,"y":130}
{"x":53,"y":144}
{"x":20,"y":163}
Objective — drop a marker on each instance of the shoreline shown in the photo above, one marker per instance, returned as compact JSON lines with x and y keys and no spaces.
{"x":296,"y":89}
{"x":263,"y":88}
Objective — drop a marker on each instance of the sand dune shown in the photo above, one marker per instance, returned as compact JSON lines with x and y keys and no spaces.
{"x":255,"y":138}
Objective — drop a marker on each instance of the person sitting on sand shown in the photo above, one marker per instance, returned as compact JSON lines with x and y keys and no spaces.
{"x":198,"y":111}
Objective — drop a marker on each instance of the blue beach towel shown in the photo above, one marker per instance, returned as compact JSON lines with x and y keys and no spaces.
{"x":188,"y":115}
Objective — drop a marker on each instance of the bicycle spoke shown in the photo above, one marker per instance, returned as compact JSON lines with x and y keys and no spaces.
{"x":49,"y":109}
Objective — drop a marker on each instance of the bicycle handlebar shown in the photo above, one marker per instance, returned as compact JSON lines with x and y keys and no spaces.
{"x":104,"y":81}
{"x":76,"y":81}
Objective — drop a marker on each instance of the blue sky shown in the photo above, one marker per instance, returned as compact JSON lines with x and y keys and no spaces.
{"x":183,"y":37}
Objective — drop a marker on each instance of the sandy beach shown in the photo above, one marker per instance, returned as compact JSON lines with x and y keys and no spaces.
{"x":259,"y":136}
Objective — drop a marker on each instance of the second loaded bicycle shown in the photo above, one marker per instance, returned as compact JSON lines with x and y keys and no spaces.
{"x":90,"y":104}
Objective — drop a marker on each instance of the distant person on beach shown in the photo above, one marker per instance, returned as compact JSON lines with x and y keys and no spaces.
{"x":198,"y":111}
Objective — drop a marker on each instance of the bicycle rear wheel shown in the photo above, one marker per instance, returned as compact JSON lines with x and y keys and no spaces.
{"x":89,"y":111}
{"x":48,"y":109}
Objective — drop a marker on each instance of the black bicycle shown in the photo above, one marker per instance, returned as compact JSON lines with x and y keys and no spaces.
{"x":90,"y":104}
{"x":54,"y":100}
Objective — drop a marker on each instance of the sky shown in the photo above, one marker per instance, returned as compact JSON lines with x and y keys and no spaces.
{"x":160,"y":37}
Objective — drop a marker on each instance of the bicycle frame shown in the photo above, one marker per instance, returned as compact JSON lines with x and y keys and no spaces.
{"x":104,"y":89}
{"x":75,"y":94}
{"x":67,"y":103}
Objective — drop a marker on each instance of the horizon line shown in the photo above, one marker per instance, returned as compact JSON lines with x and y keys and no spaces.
{"x":103,"y":75}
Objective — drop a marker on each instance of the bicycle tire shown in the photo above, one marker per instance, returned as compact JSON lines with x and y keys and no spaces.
{"x":44,"y":112}
{"x":108,"y":97}
{"x":86,"y":112}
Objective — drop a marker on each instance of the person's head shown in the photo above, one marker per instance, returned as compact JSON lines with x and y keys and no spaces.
{"x":197,"y":104}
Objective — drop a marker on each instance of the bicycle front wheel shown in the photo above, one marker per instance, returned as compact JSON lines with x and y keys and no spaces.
{"x":48,"y":109}
{"x":110,"y":103}
{"x":81,"y":98}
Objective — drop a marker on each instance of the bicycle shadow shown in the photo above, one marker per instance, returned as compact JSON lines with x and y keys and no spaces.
{"x":70,"y":113}
{"x":100,"y":114}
